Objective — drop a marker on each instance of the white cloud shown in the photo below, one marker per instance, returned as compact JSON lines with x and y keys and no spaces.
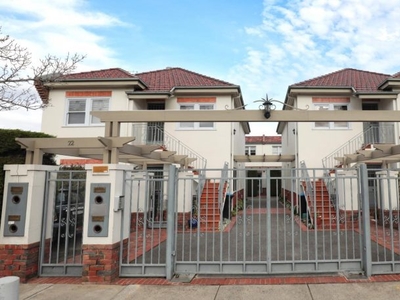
{"x":56,"y":27}
{"x":59,"y":27}
{"x":298,"y":40}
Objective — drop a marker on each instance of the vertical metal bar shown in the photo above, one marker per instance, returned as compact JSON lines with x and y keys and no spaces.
{"x":316,"y":242}
{"x":366,"y":230}
{"x":337,"y":211}
{"x":44,"y":222}
{"x":269,"y":238}
{"x":170,"y":251}
{"x":389,"y":180}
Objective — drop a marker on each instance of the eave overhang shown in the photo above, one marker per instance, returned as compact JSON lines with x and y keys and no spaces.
{"x":148,"y":95}
{"x":390,"y":84}
{"x":133,"y":83}
{"x":377,"y":95}
{"x":201,"y":90}
{"x":320,"y":90}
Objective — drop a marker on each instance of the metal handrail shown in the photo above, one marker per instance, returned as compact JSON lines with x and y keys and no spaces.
{"x":373,"y":135}
{"x":224,"y":179}
{"x":309,"y":190}
{"x":155,"y":135}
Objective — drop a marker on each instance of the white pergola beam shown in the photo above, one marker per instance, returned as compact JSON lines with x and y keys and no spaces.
{"x":247,"y":116}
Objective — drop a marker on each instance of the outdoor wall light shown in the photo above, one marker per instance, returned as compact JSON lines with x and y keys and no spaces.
{"x":267,"y":108}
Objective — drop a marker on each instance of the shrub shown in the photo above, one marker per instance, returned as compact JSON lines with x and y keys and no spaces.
{"x":11,"y":153}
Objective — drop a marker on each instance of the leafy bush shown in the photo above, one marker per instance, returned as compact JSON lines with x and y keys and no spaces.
{"x":11,"y":153}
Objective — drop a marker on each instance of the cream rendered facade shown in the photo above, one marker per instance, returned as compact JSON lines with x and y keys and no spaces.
{"x":310,"y":143}
{"x":263,"y":145}
{"x":217,"y":145}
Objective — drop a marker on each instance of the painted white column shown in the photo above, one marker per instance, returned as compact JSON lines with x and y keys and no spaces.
{"x":185,"y":191}
{"x":347,"y":189}
{"x":388,"y":190}
{"x":35,"y":178}
{"x":112,"y":174}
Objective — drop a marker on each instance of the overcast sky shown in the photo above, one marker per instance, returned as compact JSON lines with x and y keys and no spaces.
{"x":263,"y":46}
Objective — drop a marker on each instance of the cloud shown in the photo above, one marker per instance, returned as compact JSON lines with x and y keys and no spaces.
{"x":56,"y":27}
{"x":60,"y":27}
{"x":299,"y":40}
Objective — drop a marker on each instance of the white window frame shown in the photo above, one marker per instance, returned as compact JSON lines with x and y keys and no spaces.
{"x":196,"y":125}
{"x":276,"y":150}
{"x":89,"y":120}
{"x":250,"y":150}
{"x":331,"y":125}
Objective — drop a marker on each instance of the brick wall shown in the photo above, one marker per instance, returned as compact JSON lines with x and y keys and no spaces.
{"x":100,"y":263}
{"x":19,"y":260}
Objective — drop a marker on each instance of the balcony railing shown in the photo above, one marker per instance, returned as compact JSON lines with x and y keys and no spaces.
{"x":375,"y":134}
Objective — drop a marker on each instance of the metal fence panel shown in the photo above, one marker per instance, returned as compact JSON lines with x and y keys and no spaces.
{"x":143,"y":252}
{"x":61,"y":242}
{"x":268,"y":230}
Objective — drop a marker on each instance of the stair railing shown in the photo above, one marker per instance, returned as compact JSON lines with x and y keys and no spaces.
{"x":375,"y":134}
{"x":221,"y":187}
{"x":309,"y":190}
{"x":146,"y":134}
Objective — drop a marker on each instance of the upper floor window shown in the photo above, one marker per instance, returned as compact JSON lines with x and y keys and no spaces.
{"x":276,"y":150}
{"x":331,"y":125}
{"x":78,"y":110}
{"x":250,"y":150}
{"x":196,"y":125}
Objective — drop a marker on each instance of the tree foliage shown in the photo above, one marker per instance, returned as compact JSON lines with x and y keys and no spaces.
{"x":11,"y":153}
{"x":18,"y":74}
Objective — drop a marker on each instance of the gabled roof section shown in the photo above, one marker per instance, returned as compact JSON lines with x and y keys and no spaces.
{"x":263,"y":140}
{"x":113,"y":73}
{"x":360,"y":81}
{"x":167,"y":79}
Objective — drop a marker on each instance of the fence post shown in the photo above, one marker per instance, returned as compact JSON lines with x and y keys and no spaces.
{"x":269,"y":238}
{"x":171,"y":213}
{"x":365,"y":221}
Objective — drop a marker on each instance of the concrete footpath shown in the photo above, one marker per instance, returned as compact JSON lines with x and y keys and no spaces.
{"x":364,"y":291}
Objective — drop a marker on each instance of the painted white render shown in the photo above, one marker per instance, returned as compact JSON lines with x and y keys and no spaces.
{"x":54,"y":115}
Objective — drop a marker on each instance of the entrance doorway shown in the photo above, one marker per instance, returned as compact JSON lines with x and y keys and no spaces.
{"x":155,"y":130}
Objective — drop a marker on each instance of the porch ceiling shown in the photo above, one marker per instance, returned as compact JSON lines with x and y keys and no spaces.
{"x":264,"y":158}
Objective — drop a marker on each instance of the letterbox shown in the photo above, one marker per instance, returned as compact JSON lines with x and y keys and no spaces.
{"x":16,"y":203}
{"x":99,"y":209}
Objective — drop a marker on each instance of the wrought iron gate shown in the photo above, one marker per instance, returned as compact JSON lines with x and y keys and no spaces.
{"x":61,"y":242}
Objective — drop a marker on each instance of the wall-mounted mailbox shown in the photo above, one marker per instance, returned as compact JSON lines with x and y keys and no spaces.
{"x":99,"y":209}
{"x":16,"y":203}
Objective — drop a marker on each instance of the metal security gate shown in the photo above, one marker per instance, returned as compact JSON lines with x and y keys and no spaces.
{"x":144,"y":246}
{"x":318,"y":222}
{"x":264,"y":234}
{"x":384,"y":221}
{"x":61,"y":242}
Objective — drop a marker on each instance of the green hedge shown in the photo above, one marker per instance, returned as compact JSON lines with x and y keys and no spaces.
{"x":11,"y":153}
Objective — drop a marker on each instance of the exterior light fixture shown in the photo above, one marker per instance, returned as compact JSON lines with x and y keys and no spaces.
{"x":267,"y":108}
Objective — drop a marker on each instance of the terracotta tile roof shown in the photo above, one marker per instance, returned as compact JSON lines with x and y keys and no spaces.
{"x":159,"y":80}
{"x":361,"y":81}
{"x":113,"y":73}
{"x":397,"y":75}
{"x":166,"y":79}
{"x":263,"y":139}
